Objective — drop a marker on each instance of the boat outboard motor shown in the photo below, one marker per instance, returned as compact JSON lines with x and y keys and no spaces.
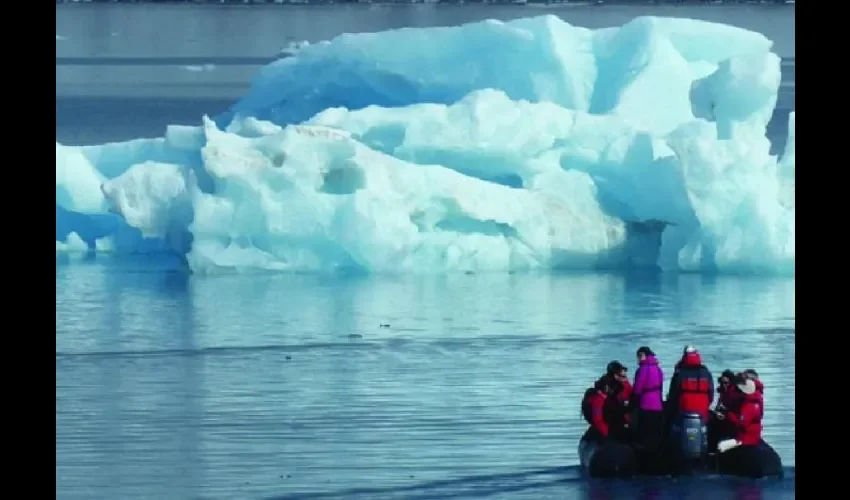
{"x":693,"y":437}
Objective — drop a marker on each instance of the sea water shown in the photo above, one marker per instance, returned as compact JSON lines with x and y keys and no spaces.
{"x":171,"y":386}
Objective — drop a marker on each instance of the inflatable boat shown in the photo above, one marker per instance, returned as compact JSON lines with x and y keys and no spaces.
{"x":606,"y":458}
{"x":756,"y":461}
{"x":610,"y":458}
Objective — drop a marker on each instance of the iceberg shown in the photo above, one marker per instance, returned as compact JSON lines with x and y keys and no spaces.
{"x":493,"y":146}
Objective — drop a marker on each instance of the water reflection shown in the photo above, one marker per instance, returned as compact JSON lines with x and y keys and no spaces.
{"x":123,"y":422}
{"x":169,"y":385}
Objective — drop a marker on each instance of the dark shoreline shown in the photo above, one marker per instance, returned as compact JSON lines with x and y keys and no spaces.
{"x":518,"y":3}
{"x":787,"y":62}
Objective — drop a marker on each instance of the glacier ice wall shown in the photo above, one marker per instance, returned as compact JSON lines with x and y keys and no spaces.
{"x":521,"y":145}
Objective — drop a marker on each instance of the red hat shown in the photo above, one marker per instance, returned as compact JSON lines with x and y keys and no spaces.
{"x":691,"y":357}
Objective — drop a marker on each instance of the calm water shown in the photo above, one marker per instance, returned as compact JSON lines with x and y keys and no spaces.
{"x":253,"y":386}
{"x":97,"y":103}
{"x":258,"y":386}
{"x":261,"y":30}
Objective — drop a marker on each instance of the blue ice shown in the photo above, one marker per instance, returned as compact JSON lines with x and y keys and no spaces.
{"x":492,"y":146}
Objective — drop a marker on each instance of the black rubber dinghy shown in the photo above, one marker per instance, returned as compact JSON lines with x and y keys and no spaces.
{"x":756,"y":461}
{"x":610,"y":458}
{"x":606,"y":458}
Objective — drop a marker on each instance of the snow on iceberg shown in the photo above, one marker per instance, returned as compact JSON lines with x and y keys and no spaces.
{"x":521,"y":145}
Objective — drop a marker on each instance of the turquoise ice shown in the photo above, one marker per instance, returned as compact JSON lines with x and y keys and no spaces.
{"x":493,"y":146}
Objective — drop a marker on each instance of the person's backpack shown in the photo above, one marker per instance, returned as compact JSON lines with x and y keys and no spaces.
{"x":586,"y":411}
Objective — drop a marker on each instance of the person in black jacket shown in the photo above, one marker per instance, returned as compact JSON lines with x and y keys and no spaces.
{"x":617,"y":405}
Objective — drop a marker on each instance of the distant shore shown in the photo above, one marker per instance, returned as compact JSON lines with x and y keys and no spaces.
{"x":575,"y":3}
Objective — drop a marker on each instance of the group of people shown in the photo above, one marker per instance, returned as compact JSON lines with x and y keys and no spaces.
{"x":638,"y":414}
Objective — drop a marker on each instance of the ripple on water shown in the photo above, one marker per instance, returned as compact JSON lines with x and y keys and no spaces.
{"x":180,"y":389}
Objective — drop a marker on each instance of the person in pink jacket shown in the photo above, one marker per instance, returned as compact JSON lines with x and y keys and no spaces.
{"x":647,"y":400}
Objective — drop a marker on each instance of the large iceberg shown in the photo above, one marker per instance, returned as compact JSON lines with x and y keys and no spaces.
{"x":493,"y":146}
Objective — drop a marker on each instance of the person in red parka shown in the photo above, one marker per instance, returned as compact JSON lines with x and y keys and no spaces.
{"x":754,"y":376}
{"x":593,"y":407}
{"x":745,"y":418}
{"x":692,"y":386}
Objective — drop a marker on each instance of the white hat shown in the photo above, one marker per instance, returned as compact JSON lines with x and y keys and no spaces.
{"x":747,"y":386}
{"x":689,"y":349}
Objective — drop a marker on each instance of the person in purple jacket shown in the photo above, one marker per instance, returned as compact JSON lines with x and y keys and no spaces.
{"x":647,"y":400}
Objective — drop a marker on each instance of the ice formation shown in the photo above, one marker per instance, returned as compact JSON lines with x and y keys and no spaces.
{"x":493,"y":146}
